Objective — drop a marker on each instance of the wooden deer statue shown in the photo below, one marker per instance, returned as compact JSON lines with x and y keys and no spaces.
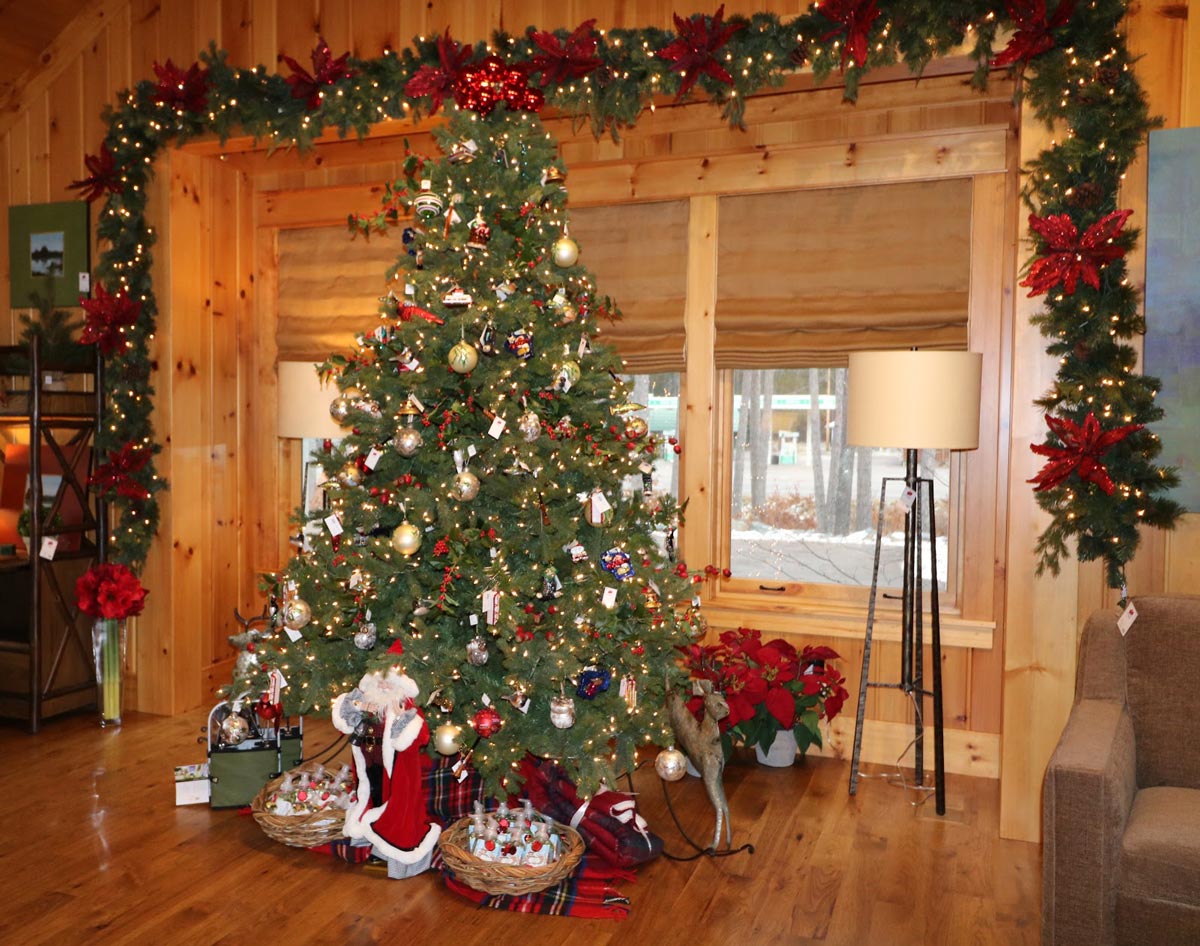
{"x":701,"y":741}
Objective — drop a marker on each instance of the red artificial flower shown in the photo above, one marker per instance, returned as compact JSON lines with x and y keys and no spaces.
{"x":182,"y":91}
{"x":694,"y":50}
{"x":1081,"y":450}
{"x":854,"y":18}
{"x":1034,"y":33}
{"x":438,"y":82}
{"x":112,"y":592}
{"x":1066,"y":257}
{"x":561,"y":62}
{"x":106,"y":317}
{"x":781,"y":704}
{"x":117,"y":473}
{"x":103,"y":179}
{"x":326,"y":71}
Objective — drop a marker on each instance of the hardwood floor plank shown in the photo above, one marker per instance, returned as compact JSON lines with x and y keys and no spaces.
{"x":94,"y":850}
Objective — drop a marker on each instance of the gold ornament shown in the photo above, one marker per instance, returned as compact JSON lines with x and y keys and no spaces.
{"x":296,"y":613}
{"x":465,"y":487}
{"x":446,"y":739}
{"x":463,"y":358}
{"x":566,"y":251}
{"x":350,"y":475}
{"x":408,"y":441}
{"x":636,"y":428}
{"x":406,"y":538}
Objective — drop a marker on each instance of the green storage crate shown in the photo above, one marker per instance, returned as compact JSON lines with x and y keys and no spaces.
{"x":238,"y":772}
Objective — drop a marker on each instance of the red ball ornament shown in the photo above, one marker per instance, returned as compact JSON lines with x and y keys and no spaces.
{"x":677,"y":448}
{"x":266,"y":709}
{"x":487,"y":722}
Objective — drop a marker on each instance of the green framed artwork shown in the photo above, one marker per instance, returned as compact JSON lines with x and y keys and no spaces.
{"x":48,"y":253}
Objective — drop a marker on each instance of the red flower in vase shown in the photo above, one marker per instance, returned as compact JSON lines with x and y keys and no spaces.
{"x":108,"y":591}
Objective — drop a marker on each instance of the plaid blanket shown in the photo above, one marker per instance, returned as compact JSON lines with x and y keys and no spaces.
{"x":589,"y":892}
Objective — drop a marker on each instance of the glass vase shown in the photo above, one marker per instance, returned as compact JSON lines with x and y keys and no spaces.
{"x":108,"y":648}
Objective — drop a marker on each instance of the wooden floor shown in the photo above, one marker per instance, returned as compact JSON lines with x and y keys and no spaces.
{"x":93,"y":850}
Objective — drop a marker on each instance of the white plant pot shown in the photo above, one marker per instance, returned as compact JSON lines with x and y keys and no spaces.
{"x":782,"y":752}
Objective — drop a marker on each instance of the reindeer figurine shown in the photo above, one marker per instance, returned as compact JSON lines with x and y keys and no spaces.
{"x":702,"y":743}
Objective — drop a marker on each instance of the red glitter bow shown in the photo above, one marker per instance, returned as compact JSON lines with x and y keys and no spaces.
{"x":1033,"y":36}
{"x":560,"y":62}
{"x":854,"y":18}
{"x":492,"y":82}
{"x":326,"y":71}
{"x":1067,"y":257}
{"x":438,"y":82}
{"x":118,"y":472}
{"x":106,"y":316}
{"x":182,"y":91}
{"x":693,"y":51}
{"x":1083,"y":446}
{"x":104,"y":177}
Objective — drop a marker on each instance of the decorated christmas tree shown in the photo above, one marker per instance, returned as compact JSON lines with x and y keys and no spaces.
{"x":490,"y":526}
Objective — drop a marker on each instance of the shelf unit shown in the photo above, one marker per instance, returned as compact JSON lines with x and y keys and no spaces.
{"x":54,"y":410}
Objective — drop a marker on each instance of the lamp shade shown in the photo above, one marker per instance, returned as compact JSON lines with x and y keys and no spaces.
{"x":914,"y":399}
{"x":304,"y":402}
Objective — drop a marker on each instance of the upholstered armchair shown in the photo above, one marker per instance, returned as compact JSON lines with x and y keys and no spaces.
{"x":1121,"y":810}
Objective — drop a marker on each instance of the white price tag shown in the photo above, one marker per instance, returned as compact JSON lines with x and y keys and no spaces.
{"x":293,"y":636}
{"x":523,"y":706}
{"x":584,"y":347}
{"x":458,"y":461}
{"x":410,"y":289}
{"x":373,"y":457}
{"x":416,"y":402}
{"x":334,"y":525}
{"x":355,"y":579}
{"x":473,"y":620}
{"x":497,"y":428}
{"x":85,"y":283}
{"x":49,"y":547}
{"x":609,"y":598}
{"x":471,"y":450}
{"x":1125,"y":621}
{"x":491,"y":605}
{"x":485,"y":700}
{"x":278,"y":682}
{"x":908,"y":497}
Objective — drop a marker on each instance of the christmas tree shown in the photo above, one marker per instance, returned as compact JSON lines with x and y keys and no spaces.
{"x":481,"y":531}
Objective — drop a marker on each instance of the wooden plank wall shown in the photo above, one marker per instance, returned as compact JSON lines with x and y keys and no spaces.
{"x":44,"y":133}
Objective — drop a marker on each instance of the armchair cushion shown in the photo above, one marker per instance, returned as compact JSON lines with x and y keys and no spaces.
{"x":1160,"y":853}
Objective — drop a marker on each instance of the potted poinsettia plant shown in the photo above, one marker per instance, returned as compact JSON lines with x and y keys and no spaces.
{"x":777,"y":695}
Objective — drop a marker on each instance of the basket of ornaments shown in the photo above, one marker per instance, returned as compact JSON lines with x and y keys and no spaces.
{"x":306,"y":806}
{"x":507,"y":851}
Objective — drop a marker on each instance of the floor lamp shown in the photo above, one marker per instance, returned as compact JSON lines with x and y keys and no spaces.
{"x":912,"y":400}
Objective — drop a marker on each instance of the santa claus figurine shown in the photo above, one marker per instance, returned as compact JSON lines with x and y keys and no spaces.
{"x":397,"y":827}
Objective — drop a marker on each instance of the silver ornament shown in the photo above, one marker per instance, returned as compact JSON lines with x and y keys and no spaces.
{"x":408,"y":441}
{"x":562,"y":712}
{"x":477,"y":651}
{"x":296,"y":614}
{"x":350,"y":475}
{"x":670,"y":764}
{"x":566,"y":251}
{"x":235,"y":729}
{"x":365,"y":637}
{"x":529,"y":426}
{"x":465,"y":487}
{"x":446,"y":739}
{"x":340,"y":407}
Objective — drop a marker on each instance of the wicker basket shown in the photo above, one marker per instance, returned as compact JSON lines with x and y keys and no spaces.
{"x":507,"y":878}
{"x":310,"y":830}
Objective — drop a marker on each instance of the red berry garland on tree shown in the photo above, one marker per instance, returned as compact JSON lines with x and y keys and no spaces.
{"x":855,"y":18}
{"x":561,"y":62}
{"x":117,"y":473}
{"x":105,"y":178}
{"x":326,"y":71}
{"x":693,"y":52}
{"x":106,"y":315}
{"x":1083,"y":446}
{"x":1034,"y":34}
{"x":1067,"y":257}
{"x":182,"y":92}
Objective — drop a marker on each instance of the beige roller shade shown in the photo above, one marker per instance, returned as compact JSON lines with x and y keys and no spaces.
{"x":805,"y":277}
{"x":330,"y":281}
{"x":637,"y":254}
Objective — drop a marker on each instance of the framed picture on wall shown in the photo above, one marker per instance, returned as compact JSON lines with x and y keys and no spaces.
{"x":48,"y":253}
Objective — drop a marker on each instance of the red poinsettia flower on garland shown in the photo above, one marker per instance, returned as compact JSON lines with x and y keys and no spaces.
{"x":326,"y":71}
{"x":112,"y":592}
{"x":1082,"y":447}
{"x":1066,"y":257}
{"x":438,"y":82}
{"x":117,"y":473}
{"x":854,"y":18}
{"x":106,"y":317}
{"x":693,"y":52}
{"x":561,"y":62}
{"x":104,"y":178}
{"x":1035,"y":29}
{"x":768,"y":686}
{"x":182,"y":91}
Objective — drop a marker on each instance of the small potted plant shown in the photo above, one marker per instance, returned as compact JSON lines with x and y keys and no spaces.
{"x":777,"y":695}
